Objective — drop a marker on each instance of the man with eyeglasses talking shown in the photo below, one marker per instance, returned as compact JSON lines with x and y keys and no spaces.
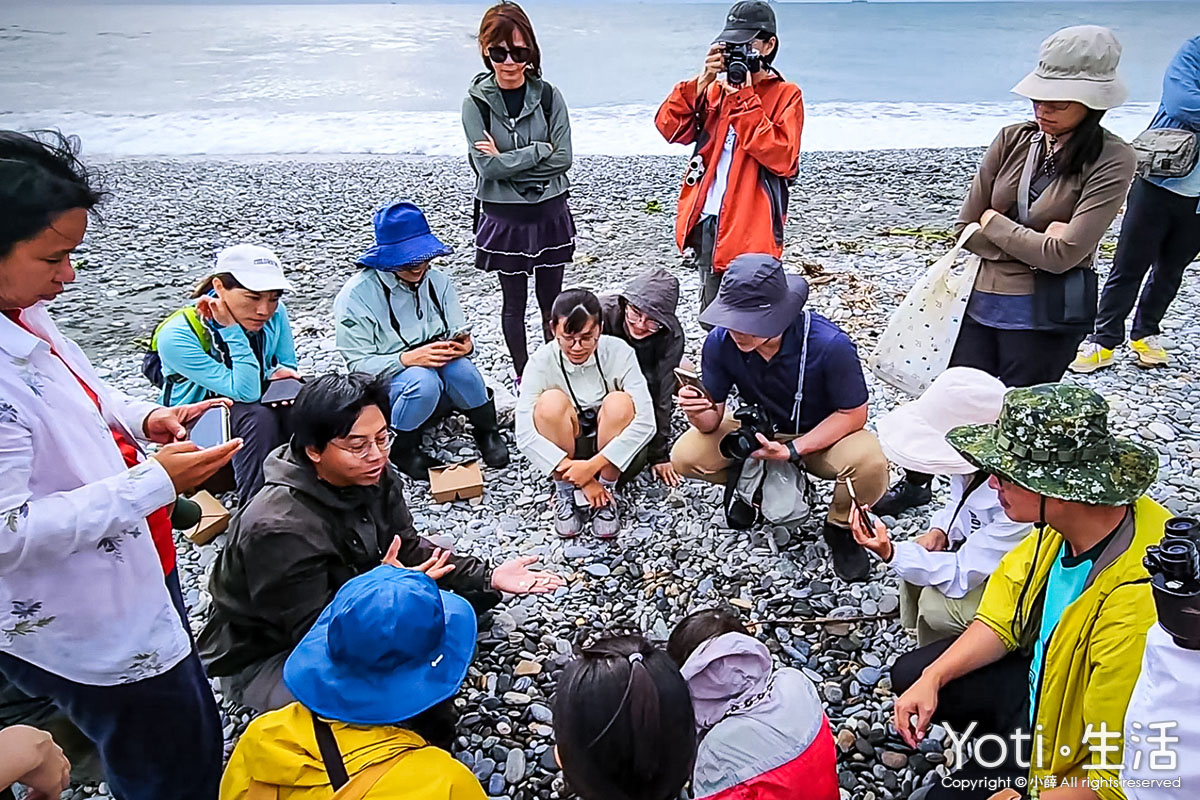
{"x":331,"y":508}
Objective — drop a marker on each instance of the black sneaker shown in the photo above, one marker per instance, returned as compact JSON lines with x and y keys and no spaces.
{"x":851,"y":563}
{"x":903,"y":495}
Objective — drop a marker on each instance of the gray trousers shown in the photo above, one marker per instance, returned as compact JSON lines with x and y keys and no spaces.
{"x":933,"y":616}
{"x":702,"y":240}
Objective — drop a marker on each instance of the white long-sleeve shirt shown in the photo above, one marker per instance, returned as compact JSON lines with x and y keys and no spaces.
{"x":984,"y":531}
{"x":82,"y":593}
{"x":621,"y":373}
{"x":1163,"y":704}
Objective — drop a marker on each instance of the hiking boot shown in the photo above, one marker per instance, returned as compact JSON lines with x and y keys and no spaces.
{"x":850,"y":562}
{"x":1091,"y":357}
{"x":1150,"y":352}
{"x":409,"y":458}
{"x":568,"y":519}
{"x":903,"y":495}
{"x":486,"y":431}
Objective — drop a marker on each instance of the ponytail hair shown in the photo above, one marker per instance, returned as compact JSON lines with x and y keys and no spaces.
{"x":575,"y":308}
{"x":205,"y":286}
{"x":624,"y":723}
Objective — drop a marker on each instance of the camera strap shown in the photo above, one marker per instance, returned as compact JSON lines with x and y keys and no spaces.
{"x":387,"y":300}
{"x":570,"y":390}
{"x":800,"y":380}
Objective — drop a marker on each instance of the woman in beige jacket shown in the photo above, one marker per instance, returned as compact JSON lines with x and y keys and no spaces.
{"x":1045,"y":194}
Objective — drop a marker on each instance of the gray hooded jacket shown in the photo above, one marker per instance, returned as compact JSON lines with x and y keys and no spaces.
{"x":656,"y":293}
{"x":534,"y":155}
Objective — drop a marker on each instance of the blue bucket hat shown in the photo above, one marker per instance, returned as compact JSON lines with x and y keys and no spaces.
{"x":402,"y":239}
{"x":387,"y":647}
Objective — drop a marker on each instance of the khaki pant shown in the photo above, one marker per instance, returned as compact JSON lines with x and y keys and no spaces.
{"x":933,"y":616}
{"x":858,"y":456}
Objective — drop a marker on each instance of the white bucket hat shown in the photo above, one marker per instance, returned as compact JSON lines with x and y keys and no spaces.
{"x":255,"y":268}
{"x":913,"y":436}
{"x":1077,"y":64}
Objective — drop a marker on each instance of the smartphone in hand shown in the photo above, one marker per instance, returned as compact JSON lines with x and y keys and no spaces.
{"x":684,"y":377}
{"x":861,"y":510}
{"x":282,"y":391}
{"x":212,"y":428}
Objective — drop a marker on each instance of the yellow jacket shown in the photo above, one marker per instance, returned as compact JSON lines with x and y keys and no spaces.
{"x":1093,"y":660}
{"x":280,"y":749}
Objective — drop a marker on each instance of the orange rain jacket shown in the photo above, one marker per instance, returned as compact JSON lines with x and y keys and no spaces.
{"x":768,"y":118}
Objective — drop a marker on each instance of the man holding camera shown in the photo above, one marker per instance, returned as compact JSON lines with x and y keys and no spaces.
{"x":744,"y":120}
{"x":802,"y":390}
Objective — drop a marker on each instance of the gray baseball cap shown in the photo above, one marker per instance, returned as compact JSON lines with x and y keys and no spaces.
{"x":757,"y":297}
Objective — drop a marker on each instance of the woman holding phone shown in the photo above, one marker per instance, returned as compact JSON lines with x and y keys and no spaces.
{"x":519,"y":144}
{"x":89,"y":620}
{"x":233,"y":341}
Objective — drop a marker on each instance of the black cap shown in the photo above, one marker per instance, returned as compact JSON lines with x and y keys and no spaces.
{"x":757,"y":297}
{"x":746,"y":20}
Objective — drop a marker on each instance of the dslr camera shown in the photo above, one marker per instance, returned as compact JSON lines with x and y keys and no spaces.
{"x":739,"y":444}
{"x":740,"y":61}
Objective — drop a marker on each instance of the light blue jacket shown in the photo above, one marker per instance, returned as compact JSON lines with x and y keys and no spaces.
{"x":366,"y":335}
{"x":1180,"y":108}
{"x":237,"y":375}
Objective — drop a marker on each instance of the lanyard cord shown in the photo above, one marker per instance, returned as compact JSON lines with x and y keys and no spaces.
{"x":563,"y":368}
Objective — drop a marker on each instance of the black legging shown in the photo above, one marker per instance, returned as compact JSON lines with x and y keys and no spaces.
{"x":547,"y":283}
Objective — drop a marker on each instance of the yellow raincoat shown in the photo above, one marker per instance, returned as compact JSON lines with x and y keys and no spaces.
{"x":1094,"y":657}
{"x":279,"y":749}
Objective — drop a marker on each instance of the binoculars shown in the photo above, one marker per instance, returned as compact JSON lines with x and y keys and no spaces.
{"x":695,"y":171}
{"x":1174,"y":567}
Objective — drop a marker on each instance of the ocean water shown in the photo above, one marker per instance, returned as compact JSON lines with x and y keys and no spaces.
{"x":192,"y":79}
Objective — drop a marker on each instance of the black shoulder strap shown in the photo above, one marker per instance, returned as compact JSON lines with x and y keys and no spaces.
{"x":547,"y":101}
{"x":387,"y":300}
{"x":330,"y":754}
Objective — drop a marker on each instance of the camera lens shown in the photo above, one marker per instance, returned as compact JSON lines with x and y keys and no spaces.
{"x":738,"y":445}
{"x":736,"y":73}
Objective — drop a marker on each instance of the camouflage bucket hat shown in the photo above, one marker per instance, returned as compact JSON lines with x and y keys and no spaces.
{"x":1054,"y":440}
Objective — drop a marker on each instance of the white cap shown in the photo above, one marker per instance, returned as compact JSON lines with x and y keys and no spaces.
{"x":255,"y":268}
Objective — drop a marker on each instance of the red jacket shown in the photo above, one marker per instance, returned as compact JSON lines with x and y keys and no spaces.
{"x":768,"y":119}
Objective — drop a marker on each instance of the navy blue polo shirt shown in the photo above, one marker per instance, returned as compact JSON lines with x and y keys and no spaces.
{"x":833,"y":377}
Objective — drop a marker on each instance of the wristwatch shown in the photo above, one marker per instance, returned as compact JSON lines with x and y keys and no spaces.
{"x":793,"y":453}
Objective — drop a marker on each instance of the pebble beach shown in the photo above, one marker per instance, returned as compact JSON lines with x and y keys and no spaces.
{"x":862,"y":227}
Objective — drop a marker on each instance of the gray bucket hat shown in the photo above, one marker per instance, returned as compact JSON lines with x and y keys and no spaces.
{"x":1077,"y":64}
{"x":757,"y":297}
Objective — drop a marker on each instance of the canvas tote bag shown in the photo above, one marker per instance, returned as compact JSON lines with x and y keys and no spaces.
{"x":916,"y":345}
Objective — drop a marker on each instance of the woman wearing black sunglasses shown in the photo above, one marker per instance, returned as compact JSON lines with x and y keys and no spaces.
{"x":519,"y":144}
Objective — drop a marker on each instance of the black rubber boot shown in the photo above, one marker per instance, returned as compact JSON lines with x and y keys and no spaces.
{"x":902,"y":496}
{"x":409,"y":458}
{"x":487,"y":434}
{"x":850,"y":562}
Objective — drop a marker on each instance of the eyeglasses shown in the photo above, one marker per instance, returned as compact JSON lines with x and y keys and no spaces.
{"x":360,"y":446}
{"x":636,"y":317}
{"x":520,"y":55}
{"x":579,"y":341}
{"x":1054,"y":107}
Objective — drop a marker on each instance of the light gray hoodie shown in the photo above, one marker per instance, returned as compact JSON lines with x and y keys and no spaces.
{"x":535,"y":153}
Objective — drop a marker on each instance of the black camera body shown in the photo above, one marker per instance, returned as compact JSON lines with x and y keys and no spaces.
{"x":739,"y":444}
{"x":740,"y":61}
{"x":1174,"y":567}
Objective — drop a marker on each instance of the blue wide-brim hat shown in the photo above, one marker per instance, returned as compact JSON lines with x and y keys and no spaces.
{"x":387,"y":647}
{"x":402,"y":239}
